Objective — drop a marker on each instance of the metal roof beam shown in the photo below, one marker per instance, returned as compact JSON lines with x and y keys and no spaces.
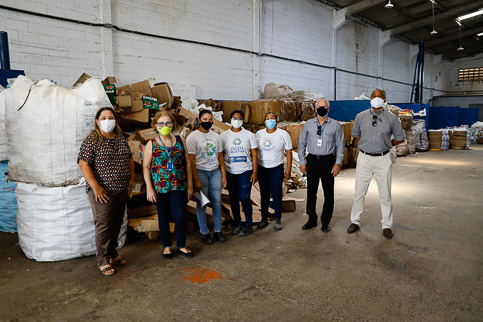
{"x":453,"y":36}
{"x":429,"y":20}
{"x":360,"y":6}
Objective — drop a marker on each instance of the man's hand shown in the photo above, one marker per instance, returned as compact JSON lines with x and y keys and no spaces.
{"x":303,"y":169}
{"x":335,"y":170}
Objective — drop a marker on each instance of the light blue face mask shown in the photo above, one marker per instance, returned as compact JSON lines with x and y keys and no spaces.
{"x":270,"y":123}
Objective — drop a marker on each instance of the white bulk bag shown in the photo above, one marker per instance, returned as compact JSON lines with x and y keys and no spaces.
{"x":56,"y":223}
{"x":45,"y":135}
{"x":3,"y":133}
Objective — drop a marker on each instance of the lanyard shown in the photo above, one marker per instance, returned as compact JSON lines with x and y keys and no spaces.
{"x":170,"y":149}
{"x":323,"y":128}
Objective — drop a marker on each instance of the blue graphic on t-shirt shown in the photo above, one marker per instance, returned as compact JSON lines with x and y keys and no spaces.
{"x":237,"y":159}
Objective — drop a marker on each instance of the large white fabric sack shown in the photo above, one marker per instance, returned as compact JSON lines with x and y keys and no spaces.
{"x":45,"y":135}
{"x":56,"y":223}
{"x":3,"y":133}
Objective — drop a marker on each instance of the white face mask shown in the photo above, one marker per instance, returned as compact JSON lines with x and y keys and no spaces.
{"x":236,"y":123}
{"x":377,"y":102}
{"x":108,"y":125}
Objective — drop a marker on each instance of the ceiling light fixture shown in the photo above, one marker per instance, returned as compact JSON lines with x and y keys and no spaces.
{"x":471,"y":15}
{"x":389,"y":5}
{"x":480,"y":34}
{"x":460,"y":48}
{"x":434,"y":32}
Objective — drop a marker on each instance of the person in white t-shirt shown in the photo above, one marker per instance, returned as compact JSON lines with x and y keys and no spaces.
{"x":273,"y":145}
{"x":241,"y":162}
{"x":209,"y":176}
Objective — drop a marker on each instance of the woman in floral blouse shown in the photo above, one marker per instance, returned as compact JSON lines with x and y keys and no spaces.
{"x":167,"y":173}
{"x":106,"y":162}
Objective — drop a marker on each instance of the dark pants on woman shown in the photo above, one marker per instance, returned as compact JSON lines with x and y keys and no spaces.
{"x":271,"y":180}
{"x":173,"y":202}
{"x":240,"y":187}
{"x":108,"y":219}
{"x":319,"y":168}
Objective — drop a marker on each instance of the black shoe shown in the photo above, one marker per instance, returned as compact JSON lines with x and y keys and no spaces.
{"x":246,"y":231}
{"x":326,"y":229}
{"x":187,"y":255}
{"x":308,"y":226}
{"x":236,"y":229}
{"x":278,"y":224}
{"x":352,"y":228}
{"x":218,"y":235}
{"x":387,"y":232}
{"x":263,"y":223}
{"x":168,"y":256}
{"x":206,"y":238}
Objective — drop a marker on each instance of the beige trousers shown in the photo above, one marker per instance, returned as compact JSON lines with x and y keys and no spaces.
{"x":381,"y":168}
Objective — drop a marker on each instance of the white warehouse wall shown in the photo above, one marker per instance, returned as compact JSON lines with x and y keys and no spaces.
{"x":299,"y":33}
{"x":466,"y":86}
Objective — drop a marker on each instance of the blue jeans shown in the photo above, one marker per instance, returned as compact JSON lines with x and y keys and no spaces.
{"x":240,"y":187}
{"x":173,"y":202}
{"x":211,"y":188}
{"x":271,"y":180}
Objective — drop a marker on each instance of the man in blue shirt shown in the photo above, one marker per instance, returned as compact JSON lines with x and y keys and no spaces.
{"x":373,"y":129}
{"x":321,"y":151}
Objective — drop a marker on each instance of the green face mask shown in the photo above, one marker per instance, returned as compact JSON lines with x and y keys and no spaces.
{"x":165,"y":130}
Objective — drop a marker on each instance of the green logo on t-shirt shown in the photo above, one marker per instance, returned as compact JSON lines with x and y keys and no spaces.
{"x":236,"y":141}
{"x":210,"y":149}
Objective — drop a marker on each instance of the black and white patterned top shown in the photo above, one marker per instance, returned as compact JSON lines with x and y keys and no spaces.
{"x":109,"y":160}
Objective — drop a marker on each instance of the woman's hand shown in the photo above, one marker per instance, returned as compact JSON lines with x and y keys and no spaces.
{"x":130,"y":186}
{"x":101,"y":194}
{"x":253,"y":178}
{"x":197,"y":185}
{"x":288,"y":174}
{"x":223,"y":182}
{"x":151,"y":195}
{"x":190,"y":192}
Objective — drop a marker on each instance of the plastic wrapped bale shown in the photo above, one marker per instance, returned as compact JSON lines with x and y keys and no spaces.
{"x":306,"y":95}
{"x":402,"y":149}
{"x":274,"y":91}
{"x":411,"y":141}
{"x":3,"y":133}
{"x":393,"y":109}
{"x":422,"y":142}
{"x":46,"y":125}
{"x":406,"y":121}
{"x":445,"y":140}
{"x":8,"y":202}
{"x":56,"y":223}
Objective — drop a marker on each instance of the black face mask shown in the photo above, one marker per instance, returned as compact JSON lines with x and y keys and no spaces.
{"x":206,"y":125}
{"x":322,"y":111}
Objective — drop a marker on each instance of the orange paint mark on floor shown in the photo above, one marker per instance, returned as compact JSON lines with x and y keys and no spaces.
{"x":199,"y":274}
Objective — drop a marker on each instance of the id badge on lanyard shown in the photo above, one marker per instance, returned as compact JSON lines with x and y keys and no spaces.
{"x":319,"y":140}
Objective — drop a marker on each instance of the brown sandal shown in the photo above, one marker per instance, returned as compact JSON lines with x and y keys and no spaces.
{"x":119,"y":261}
{"x":108,"y":271}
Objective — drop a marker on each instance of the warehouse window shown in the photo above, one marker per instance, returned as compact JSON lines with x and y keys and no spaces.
{"x":471,"y":74}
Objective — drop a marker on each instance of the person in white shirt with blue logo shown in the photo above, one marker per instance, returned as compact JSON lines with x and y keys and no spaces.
{"x":273,"y":145}
{"x":241,"y":163}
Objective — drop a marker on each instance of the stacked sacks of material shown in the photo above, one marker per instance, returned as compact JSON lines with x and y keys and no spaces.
{"x":419,"y":129}
{"x":45,"y":127}
{"x":411,"y":141}
{"x":274,"y":91}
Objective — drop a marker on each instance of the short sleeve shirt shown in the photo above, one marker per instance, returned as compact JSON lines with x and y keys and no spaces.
{"x":377,"y":138}
{"x":272,"y":147}
{"x":205,"y":147}
{"x":236,"y":148}
{"x":109,"y":161}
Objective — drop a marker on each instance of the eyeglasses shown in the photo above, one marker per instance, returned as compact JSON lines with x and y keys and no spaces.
{"x":169,"y":124}
{"x":319,"y":130}
{"x":374,"y":120}
{"x":237,"y":119}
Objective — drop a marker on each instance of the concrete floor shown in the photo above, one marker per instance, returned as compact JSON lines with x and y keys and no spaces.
{"x":430,"y":271}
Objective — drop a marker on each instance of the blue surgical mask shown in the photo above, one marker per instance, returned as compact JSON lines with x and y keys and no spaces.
{"x":270,"y":123}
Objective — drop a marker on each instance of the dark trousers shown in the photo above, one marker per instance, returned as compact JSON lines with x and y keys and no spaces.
{"x":174,"y":203}
{"x":271,"y":180}
{"x":320,"y":168}
{"x":240,"y":188}
{"x":108,"y":219}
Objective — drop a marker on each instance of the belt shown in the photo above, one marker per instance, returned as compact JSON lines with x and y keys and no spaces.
{"x":321,"y":156}
{"x":376,"y":154}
